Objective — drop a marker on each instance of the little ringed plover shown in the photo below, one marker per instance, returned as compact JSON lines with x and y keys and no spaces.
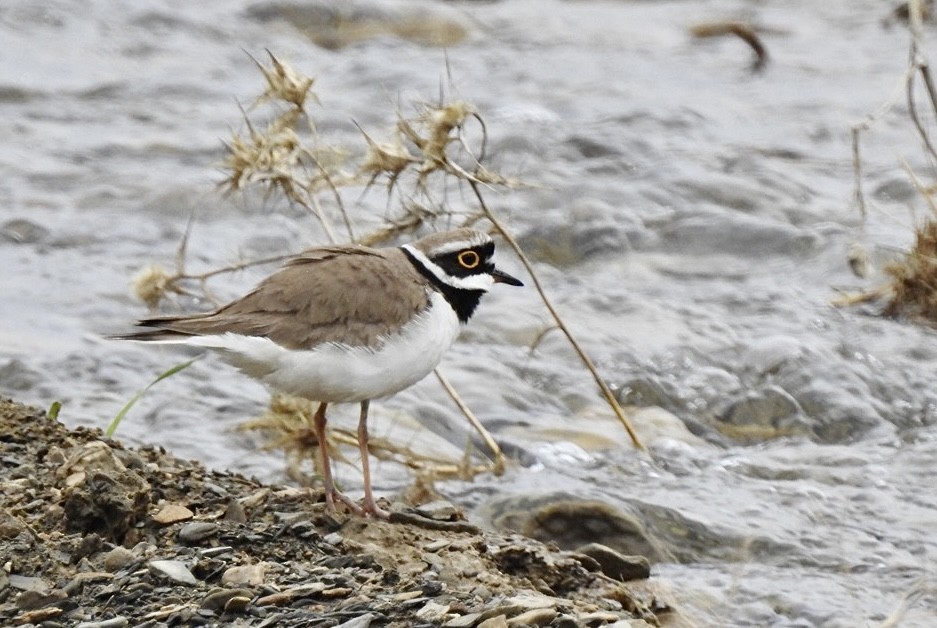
{"x":347,"y":324}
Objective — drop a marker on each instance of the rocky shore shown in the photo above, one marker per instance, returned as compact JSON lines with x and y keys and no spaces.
{"x":95,"y":534}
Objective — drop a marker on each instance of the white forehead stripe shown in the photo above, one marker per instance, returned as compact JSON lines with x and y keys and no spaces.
{"x":482,"y":281}
{"x":452,"y":247}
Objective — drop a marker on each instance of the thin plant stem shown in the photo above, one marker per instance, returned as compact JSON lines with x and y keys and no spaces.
{"x":586,"y":360}
{"x":485,"y":434}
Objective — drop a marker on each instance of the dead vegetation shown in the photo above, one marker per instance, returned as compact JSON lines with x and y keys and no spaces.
{"x":912,"y":287}
{"x":424,"y":155}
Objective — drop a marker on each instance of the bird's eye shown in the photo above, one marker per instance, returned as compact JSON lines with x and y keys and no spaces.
{"x":469,"y":259}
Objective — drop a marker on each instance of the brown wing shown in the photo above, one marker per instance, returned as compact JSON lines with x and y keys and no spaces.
{"x":349,"y":294}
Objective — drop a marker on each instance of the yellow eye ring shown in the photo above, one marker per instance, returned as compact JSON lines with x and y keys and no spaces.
{"x":469,"y":259}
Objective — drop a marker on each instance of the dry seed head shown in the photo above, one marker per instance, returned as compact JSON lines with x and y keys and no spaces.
{"x":151,"y":284}
{"x":286,"y":84}
{"x":269,"y":156}
{"x":390,"y":157}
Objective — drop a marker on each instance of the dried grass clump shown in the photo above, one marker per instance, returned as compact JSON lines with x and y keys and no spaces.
{"x":914,"y":278}
{"x":912,"y":290}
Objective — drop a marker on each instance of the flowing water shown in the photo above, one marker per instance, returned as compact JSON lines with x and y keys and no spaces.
{"x":690,"y":218}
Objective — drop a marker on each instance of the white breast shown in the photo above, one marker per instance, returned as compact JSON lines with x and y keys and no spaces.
{"x":339,"y":373}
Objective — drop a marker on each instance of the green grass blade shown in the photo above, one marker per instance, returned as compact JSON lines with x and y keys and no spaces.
{"x":54,"y":409}
{"x":133,"y":400}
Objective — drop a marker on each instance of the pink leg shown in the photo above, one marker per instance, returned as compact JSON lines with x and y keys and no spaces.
{"x":331,"y":493}
{"x":370,"y":505}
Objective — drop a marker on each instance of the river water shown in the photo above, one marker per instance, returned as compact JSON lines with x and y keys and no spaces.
{"x":690,"y":218}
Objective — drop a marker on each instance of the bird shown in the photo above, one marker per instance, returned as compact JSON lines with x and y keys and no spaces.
{"x":347,"y":324}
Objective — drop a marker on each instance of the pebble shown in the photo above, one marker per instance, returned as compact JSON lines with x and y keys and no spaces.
{"x":217,"y":599}
{"x":536,"y":617}
{"x":38,"y":615}
{"x":499,"y":621}
{"x":237,"y":604}
{"x":113,"y":622}
{"x":28,"y":583}
{"x":197,"y":531}
{"x":175,"y":570}
{"x":247,"y":575}
{"x":118,"y":558}
{"x":433,"y":612}
{"x":172,"y":513}
{"x":463,"y":621}
{"x":358,"y":622}
{"x":440,"y":510}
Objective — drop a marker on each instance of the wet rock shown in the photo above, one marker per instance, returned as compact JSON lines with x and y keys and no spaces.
{"x":334,"y":26}
{"x":174,"y":570}
{"x":197,"y":531}
{"x":769,"y":411}
{"x":23,"y":231}
{"x":616,"y":565}
{"x":571,"y":522}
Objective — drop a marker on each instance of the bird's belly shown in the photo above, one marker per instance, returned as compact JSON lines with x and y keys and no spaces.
{"x":340,"y":373}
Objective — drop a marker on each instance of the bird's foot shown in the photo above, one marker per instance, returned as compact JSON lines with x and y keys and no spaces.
{"x":370,"y":507}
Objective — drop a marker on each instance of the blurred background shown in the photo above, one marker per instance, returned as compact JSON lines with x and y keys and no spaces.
{"x":689,"y":204}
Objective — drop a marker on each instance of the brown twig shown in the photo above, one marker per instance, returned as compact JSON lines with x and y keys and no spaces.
{"x":485,"y":434}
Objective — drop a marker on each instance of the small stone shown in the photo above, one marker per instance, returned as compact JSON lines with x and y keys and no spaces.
{"x":275,"y":599}
{"x":237,"y":604}
{"x":246,"y":575}
{"x":38,"y":615}
{"x":11,"y":526}
{"x":217,"y":599}
{"x":85,"y":577}
{"x":113,"y":622}
{"x":599,"y":618}
{"x":32,"y":599}
{"x":175,"y":570}
{"x":333,"y":538}
{"x":499,"y":621}
{"x":172,"y":513}
{"x":463,"y":621}
{"x":29,"y":583}
{"x":408,"y":595}
{"x":435,"y":546}
{"x":235,"y":512}
{"x":336,"y":592}
{"x":358,"y":622}
{"x":440,"y":510}
{"x":616,"y":565}
{"x":536,"y":617}
{"x":197,"y":531}
{"x":433,"y":612}
{"x":118,"y":558}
